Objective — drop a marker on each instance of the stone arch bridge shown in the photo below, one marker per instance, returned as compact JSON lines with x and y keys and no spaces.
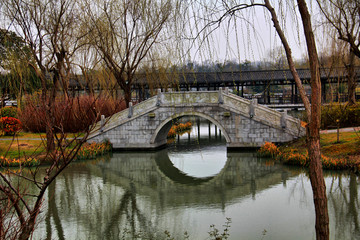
{"x":244,"y":123}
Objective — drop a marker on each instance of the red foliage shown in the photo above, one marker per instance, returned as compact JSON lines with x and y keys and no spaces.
{"x":72,"y":115}
{"x":10,"y":125}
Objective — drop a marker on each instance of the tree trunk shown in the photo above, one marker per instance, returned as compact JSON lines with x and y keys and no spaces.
{"x":29,"y":226}
{"x":50,"y":106}
{"x":351,"y":79}
{"x":127,"y":93}
{"x":313,"y":131}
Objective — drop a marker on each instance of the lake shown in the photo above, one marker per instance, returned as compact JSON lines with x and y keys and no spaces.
{"x":192,"y":184}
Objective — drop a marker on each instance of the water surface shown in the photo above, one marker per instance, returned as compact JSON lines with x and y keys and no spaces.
{"x":188,"y":187}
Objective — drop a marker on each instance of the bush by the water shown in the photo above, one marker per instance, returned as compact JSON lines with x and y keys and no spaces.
{"x":71,"y":115}
{"x":8,"y":112}
{"x":179,"y":128}
{"x":92,"y":150}
{"x":343,"y":115}
{"x":9,"y":125}
{"x":27,"y":162}
{"x":269,"y":149}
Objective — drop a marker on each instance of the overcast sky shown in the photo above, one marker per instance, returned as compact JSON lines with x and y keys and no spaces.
{"x":251,"y":36}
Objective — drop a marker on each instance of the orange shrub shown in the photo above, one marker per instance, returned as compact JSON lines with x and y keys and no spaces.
{"x":27,"y":162}
{"x":294,"y":158}
{"x":179,"y":128}
{"x":269,"y":149}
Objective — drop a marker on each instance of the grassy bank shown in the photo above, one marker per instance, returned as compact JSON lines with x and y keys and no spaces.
{"x":341,"y":155}
{"x":27,"y":149}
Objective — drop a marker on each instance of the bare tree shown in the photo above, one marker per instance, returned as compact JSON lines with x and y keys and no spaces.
{"x":48,"y":28}
{"x":125,"y":32}
{"x":20,"y":208}
{"x":344,"y":18}
{"x":313,"y":110}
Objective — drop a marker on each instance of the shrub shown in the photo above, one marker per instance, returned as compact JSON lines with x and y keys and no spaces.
{"x":10,"y":125}
{"x":334,"y":164}
{"x":9,"y":112}
{"x":71,"y":115}
{"x":269,"y":149}
{"x":93,"y":150}
{"x":27,"y":162}
{"x":294,"y":158}
{"x":179,"y":128}
{"x":344,"y":115}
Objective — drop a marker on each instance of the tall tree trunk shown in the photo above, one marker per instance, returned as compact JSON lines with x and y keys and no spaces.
{"x":127,"y":93}
{"x":50,"y":106}
{"x":351,"y":79}
{"x":313,"y":131}
{"x":50,"y":143}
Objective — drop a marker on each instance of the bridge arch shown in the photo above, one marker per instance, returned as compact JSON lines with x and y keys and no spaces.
{"x":160,"y":134}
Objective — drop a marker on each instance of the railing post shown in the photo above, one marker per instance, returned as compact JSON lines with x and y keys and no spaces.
{"x":283,"y":119}
{"x":221,"y":99}
{"x":102,"y":123}
{"x":158,"y":101}
{"x":253,"y":103}
{"x":130,"y":110}
{"x":226,"y":90}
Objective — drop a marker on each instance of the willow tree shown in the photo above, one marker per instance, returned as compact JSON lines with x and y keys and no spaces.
{"x":233,"y":10}
{"x":124,"y":33}
{"x":344,"y":18}
{"x":15,"y":55}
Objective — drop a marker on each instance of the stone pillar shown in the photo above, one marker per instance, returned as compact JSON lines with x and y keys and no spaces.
{"x":253,"y":103}
{"x":220,"y":93}
{"x":102,"y":123}
{"x":283,"y":119}
{"x":130,"y":110}
{"x":158,"y":101}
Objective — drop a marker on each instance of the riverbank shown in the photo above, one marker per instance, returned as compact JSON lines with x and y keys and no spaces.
{"x":27,"y":149}
{"x":336,"y":155}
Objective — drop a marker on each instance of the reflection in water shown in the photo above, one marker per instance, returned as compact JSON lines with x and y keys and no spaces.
{"x":143,"y":194}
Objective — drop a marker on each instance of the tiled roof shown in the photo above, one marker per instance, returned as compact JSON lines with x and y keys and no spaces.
{"x":243,"y":76}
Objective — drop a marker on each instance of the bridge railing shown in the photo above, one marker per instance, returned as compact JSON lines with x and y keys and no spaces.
{"x":263,"y":114}
{"x":123,"y":116}
{"x":235,"y":103}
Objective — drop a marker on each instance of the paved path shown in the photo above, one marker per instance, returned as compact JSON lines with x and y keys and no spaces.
{"x":20,"y":139}
{"x":350,"y":129}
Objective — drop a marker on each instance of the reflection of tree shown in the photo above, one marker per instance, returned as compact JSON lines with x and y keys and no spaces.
{"x":53,"y":212}
{"x":107,"y":213}
{"x":129,"y":210}
{"x":345,"y":204}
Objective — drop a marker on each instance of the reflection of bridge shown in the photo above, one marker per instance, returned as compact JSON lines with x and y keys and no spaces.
{"x":243,"y":123}
{"x":132,"y":193}
{"x":137,"y":190}
{"x":154,"y":175}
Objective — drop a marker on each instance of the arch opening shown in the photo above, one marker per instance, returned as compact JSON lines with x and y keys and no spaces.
{"x":160,"y":135}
